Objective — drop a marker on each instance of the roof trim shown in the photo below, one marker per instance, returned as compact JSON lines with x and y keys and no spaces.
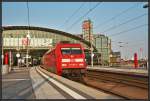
{"x":5,"y":28}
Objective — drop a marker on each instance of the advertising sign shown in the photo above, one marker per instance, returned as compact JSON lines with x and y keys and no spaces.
{"x":25,"y":41}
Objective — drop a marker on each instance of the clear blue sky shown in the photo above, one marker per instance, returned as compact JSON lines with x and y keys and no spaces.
{"x":54,"y":14}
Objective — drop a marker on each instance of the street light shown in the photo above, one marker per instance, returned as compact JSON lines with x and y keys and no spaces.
{"x":91,"y":47}
{"x":91,"y":42}
{"x":18,"y":48}
{"x":146,"y":6}
{"x":27,"y":55}
{"x":91,"y":53}
{"x":2,"y":48}
{"x":124,"y":43}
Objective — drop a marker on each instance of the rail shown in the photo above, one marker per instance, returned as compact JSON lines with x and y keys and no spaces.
{"x":80,"y":88}
{"x":127,"y":85}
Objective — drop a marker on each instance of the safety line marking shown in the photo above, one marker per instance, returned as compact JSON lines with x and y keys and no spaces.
{"x":64,"y":88}
{"x":14,"y":79}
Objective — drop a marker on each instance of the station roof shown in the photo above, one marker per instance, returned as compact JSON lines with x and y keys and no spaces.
{"x":5,"y":28}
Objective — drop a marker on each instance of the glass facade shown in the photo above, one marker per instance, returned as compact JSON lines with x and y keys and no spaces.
{"x":102,"y":44}
{"x":38,"y":39}
{"x":14,"y":39}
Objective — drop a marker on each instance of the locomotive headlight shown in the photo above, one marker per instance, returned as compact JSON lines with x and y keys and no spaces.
{"x":64,"y":64}
{"x":65,"y":60}
{"x":79,"y":60}
{"x":81,"y":64}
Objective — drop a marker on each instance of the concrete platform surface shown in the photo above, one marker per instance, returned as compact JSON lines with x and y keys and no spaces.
{"x":23,"y":83}
{"x":17,"y":85}
{"x":42,"y":89}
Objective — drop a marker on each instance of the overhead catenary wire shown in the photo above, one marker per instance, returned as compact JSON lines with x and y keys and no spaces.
{"x":28,"y":13}
{"x":132,"y":45}
{"x":142,"y":42}
{"x":27,"y":53}
{"x":90,"y":10}
{"x":128,"y":42}
{"x":74,"y":13}
{"x":128,"y":21}
{"x":77,"y":21}
{"x":128,"y":30}
{"x":117,"y":15}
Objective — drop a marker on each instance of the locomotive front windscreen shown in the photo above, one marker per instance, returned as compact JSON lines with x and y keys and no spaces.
{"x":71,"y":50}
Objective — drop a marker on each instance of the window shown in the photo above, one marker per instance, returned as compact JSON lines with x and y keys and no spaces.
{"x":65,"y":50}
{"x":104,"y":42}
{"x":71,"y":51}
{"x":76,"y":51}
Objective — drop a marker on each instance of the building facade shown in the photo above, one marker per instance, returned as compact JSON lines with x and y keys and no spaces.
{"x":40,"y":40}
{"x":87,"y":30}
{"x":101,"y":42}
{"x":103,"y":45}
{"x":115,"y":59}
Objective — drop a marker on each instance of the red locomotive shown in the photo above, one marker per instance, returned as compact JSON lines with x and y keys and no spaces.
{"x":67,"y":59}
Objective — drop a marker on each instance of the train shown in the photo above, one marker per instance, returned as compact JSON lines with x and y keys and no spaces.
{"x":66,"y":59}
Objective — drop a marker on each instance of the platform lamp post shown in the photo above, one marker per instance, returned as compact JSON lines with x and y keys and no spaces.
{"x":27,"y":54}
{"x":125,"y":47}
{"x":121,"y":46}
{"x":146,"y":6}
{"x":18,"y":55}
{"x":91,"y":53}
{"x":2,"y":48}
{"x":91,"y":47}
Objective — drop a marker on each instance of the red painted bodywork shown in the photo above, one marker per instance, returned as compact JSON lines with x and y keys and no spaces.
{"x":6,"y":58}
{"x":52,"y":60}
{"x":135,"y":60}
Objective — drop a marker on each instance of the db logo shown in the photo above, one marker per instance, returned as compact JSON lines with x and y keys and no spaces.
{"x":25,"y":41}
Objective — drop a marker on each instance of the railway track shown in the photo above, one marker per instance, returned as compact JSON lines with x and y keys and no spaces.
{"x":124,"y":85}
{"x":129,"y":86}
{"x":81,"y":89}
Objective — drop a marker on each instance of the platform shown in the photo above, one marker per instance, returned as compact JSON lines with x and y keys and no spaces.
{"x":81,"y":89}
{"x":121,"y":70}
{"x":37,"y":83}
{"x":17,"y":85}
